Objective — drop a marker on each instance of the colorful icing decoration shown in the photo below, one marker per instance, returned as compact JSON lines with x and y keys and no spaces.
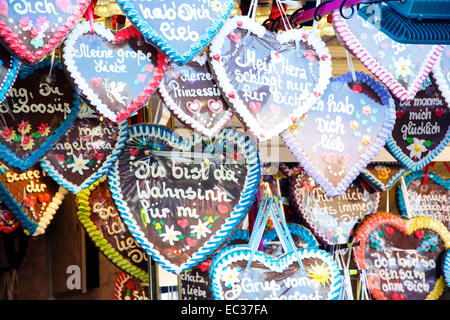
{"x":32,"y":29}
{"x":401,"y":67}
{"x":290,"y":169}
{"x":190,"y":92}
{"x":179,"y":29}
{"x":269,"y":79}
{"x":31,"y":195}
{"x":331,"y":219}
{"x":268,"y":278}
{"x":430,"y":199}
{"x":37,"y":111}
{"x":446,"y":267}
{"x":101,"y":220}
{"x":421,"y":130}
{"x":9,"y":68}
{"x":402,"y":256}
{"x":8,"y":222}
{"x":115,"y":73}
{"x":128,"y":287}
{"x":343,"y":132}
{"x":441,"y":73}
{"x":86,"y":151}
{"x":181,"y":199}
{"x":383,"y":176}
{"x":195,"y":283}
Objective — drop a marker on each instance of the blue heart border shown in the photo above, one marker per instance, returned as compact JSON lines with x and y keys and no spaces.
{"x":418,"y":175}
{"x":111,"y":158}
{"x":10,"y":77}
{"x":179,"y":58}
{"x":446,"y":267}
{"x":243,"y":252}
{"x":373,"y":180}
{"x":365,"y":159}
{"x":246,"y":200}
{"x":7,"y":155}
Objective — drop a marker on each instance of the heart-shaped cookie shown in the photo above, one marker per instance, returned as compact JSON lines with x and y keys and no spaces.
{"x":402,"y":256}
{"x":179,"y":29}
{"x":32,"y":29}
{"x":101,"y":220}
{"x":114,"y":73}
{"x":401,"y":67}
{"x":86,"y":151}
{"x":8,"y":222}
{"x":430,"y":199}
{"x":422,"y":127}
{"x":170,"y":179}
{"x":9,"y":68}
{"x":190,"y":92}
{"x":273,"y":278}
{"x":331,"y":219}
{"x":23,"y":193}
{"x":128,"y":287}
{"x":383,"y":176}
{"x":37,"y":111}
{"x":441,"y":73}
{"x":342,"y":132}
{"x":267,"y":78}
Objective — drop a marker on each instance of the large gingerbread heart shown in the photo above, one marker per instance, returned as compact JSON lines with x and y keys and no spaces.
{"x":32,"y":29}
{"x":272,"y":278}
{"x":402,"y":256}
{"x":331,"y":219}
{"x":190,"y":92}
{"x":31,"y":195}
{"x":114,"y":73}
{"x":101,"y":220}
{"x":179,"y":29}
{"x":9,"y":68}
{"x":401,"y":67}
{"x":343,"y":132}
{"x":383,"y":176}
{"x":181,"y":199}
{"x":269,"y":79}
{"x":422,"y":127}
{"x":430,"y":199}
{"x":37,"y":111}
{"x":86,"y":151}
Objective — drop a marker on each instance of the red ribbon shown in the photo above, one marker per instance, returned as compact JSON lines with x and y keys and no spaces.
{"x":89,"y":15}
{"x":427,"y":172}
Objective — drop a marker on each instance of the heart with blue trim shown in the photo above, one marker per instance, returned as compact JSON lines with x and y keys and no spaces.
{"x":272,"y":278}
{"x":182,"y":199}
{"x":343,"y":132}
{"x":383,"y":176}
{"x":38,"y":109}
{"x":9,"y":68}
{"x":179,"y":29}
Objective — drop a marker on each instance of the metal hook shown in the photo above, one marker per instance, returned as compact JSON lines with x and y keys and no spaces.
{"x":341,"y":8}
{"x":316,"y":12}
{"x":294,"y":15}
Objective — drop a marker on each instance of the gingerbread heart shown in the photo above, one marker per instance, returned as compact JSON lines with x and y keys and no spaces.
{"x":31,"y":195}
{"x":32,"y":29}
{"x":170,"y":179}
{"x":128,"y":287}
{"x":267,"y":78}
{"x":179,"y":29}
{"x":383,"y":176}
{"x":9,"y":68}
{"x":402,"y":265}
{"x":86,"y":151}
{"x":100,"y":218}
{"x":114,"y":73}
{"x":37,"y":111}
{"x":401,"y":67}
{"x":190,"y":92}
{"x":342,"y":132}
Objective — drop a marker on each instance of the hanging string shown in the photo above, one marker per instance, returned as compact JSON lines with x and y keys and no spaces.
{"x":252,"y":9}
{"x":52,"y":61}
{"x":350,"y":65}
{"x":284,"y":17}
{"x":387,"y":200}
{"x":315,"y":22}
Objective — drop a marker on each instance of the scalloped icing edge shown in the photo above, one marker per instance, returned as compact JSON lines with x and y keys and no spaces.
{"x":418,"y":175}
{"x":10,"y":78}
{"x":84,"y":213}
{"x":441,"y":81}
{"x":188,"y":120}
{"x":72,"y":70}
{"x":295,"y":188}
{"x":242,"y":253}
{"x":7,"y":155}
{"x":113,"y":156}
{"x":240,"y":210}
{"x":366,"y":157}
{"x":118,"y":285}
{"x":351,"y":42}
{"x":14,"y":44}
{"x":446,"y":267}
{"x":378,"y":184}
{"x":147,"y":31}
{"x":407,"y":226}
{"x":227,"y":88}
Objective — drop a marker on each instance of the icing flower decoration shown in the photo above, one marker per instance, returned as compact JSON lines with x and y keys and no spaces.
{"x":24,"y":127}
{"x":25,"y":24}
{"x":230,"y":276}
{"x":417,"y":147}
{"x":310,"y":55}
{"x":78,"y":164}
{"x":376,"y":241}
{"x":34,"y":33}
{"x":366,"y":139}
{"x":170,"y":234}
{"x":43,"y":129}
{"x":201,"y":229}
{"x":366,"y":110}
{"x":215,"y":5}
{"x":158,"y":146}
{"x":402,"y":67}
{"x":354,"y":124}
{"x":4,"y":7}
{"x":429,"y":244}
{"x":27,"y":142}
{"x":8,"y":133}
{"x":41,"y":20}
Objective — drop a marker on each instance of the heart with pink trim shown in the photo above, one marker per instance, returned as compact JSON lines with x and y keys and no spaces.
{"x":343,"y":132}
{"x":401,"y":67}
{"x":32,"y":29}
{"x":269,"y":78}
{"x":114,"y":73}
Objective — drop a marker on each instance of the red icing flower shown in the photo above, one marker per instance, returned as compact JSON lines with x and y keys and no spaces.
{"x":43,"y":129}
{"x":24,"y":127}
{"x":24,"y":23}
{"x":7,"y":133}
{"x":34,"y":33}
{"x":130,"y":285}
{"x":25,"y":141}
{"x":310,"y":55}
{"x":205,"y":265}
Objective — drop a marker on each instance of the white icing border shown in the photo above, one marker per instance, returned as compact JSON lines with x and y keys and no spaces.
{"x":49,"y":213}
{"x":441,"y":81}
